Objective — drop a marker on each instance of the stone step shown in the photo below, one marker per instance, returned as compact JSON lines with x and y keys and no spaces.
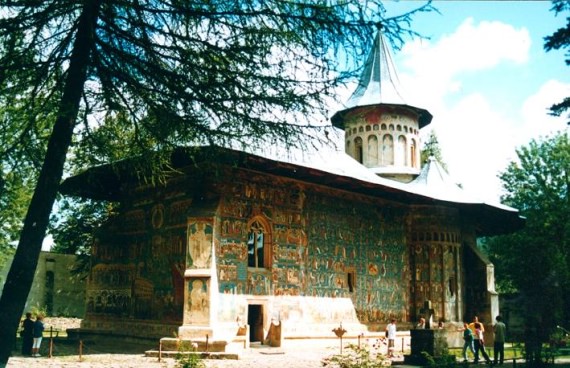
{"x":202,"y":354}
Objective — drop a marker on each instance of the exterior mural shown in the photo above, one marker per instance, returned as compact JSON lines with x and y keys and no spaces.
{"x":308,"y":256}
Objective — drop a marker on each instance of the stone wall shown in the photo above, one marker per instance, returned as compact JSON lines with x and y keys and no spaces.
{"x":56,"y":289}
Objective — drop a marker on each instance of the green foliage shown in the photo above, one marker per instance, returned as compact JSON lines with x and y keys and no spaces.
{"x":446,"y":360}
{"x":560,"y":40}
{"x":73,"y":227}
{"x":354,"y":356}
{"x":190,"y":359}
{"x":15,"y":195}
{"x":535,"y":261}
{"x":37,"y":310}
{"x":432,"y":148}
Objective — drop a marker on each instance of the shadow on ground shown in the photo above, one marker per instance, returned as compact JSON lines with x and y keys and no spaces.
{"x":61,"y":346}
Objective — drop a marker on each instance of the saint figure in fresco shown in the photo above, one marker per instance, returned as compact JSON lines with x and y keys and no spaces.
{"x":200,"y":245}
{"x":198,"y":299}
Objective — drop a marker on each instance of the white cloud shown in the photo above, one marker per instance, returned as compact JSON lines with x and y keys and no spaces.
{"x":478,"y":134}
{"x":472,"y":137}
{"x":536,"y":121}
{"x":476,"y":139}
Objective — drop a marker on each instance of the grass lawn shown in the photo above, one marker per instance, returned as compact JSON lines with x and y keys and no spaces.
{"x":512,"y":351}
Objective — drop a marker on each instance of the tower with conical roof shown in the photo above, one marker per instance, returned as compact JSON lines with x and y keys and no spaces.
{"x":381,"y":130}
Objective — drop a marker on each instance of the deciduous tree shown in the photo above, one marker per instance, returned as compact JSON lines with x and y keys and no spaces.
{"x":535,"y":261}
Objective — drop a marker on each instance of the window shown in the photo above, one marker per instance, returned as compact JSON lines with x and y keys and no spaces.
{"x":387,"y":150}
{"x":258,"y":241}
{"x":372,"y":150}
{"x":351,"y":281}
{"x":401,"y":154}
{"x":413,"y":154}
{"x":358,"y":150}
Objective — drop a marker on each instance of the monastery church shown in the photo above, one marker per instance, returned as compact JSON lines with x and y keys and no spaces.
{"x":242,"y":246}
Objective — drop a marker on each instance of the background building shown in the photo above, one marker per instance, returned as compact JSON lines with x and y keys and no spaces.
{"x":56,"y":290}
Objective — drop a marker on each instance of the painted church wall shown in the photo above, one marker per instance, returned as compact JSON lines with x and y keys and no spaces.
{"x":326,"y":257}
{"x":335,"y":257}
{"x":138,"y":264}
{"x":436,"y":259}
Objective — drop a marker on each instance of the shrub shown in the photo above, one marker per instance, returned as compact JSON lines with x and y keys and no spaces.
{"x":190,"y":359}
{"x":357,"y":357}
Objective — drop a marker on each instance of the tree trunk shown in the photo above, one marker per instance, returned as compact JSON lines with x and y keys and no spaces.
{"x":21,"y":275}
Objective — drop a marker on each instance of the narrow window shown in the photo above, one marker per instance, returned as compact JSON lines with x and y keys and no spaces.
{"x":358,"y":150}
{"x":351,"y":281}
{"x":255,"y":246}
{"x":401,"y":159}
{"x":387,"y":150}
{"x":372,"y":150}
{"x":413,"y":154}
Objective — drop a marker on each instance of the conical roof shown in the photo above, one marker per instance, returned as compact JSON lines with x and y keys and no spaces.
{"x":379,"y":85}
{"x":379,"y":81}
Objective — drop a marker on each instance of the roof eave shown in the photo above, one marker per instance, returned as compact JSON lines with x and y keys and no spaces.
{"x":424,"y":116}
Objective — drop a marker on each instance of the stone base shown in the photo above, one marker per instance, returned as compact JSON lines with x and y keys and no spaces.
{"x":431,"y":342}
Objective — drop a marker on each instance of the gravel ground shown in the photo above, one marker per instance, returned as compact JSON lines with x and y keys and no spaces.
{"x":261,"y":357}
{"x":123,"y":354}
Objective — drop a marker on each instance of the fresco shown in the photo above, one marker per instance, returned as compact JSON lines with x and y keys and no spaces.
{"x":327,"y":258}
{"x":435,"y":259}
{"x":320,"y":249}
{"x":198,"y":301}
{"x":138,"y":264}
{"x":199,"y":244}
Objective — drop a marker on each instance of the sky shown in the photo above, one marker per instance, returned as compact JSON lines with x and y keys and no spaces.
{"x":483,"y":74}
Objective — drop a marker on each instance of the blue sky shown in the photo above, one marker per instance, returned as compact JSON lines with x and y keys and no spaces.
{"x":484,"y":75}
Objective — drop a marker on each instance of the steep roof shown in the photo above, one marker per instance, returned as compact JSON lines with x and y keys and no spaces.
{"x":379,"y":84}
{"x":379,"y":80}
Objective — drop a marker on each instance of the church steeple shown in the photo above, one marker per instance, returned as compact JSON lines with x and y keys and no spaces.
{"x":379,"y":80}
{"x":381,"y":130}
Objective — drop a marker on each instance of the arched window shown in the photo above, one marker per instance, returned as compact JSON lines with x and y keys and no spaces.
{"x":402,"y":152}
{"x":257,"y":251}
{"x":358,"y":149}
{"x":413,"y":152}
{"x":387,"y":150}
{"x":372,"y":150}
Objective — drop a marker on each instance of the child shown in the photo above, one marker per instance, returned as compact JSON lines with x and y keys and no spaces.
{"x":38,"y":334}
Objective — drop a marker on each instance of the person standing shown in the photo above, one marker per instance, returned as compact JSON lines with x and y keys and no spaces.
{"x":391,"y":334}
{"x":480,"y":344}
{"x":467,"y":341}
{"x":27,"y":335}
{"x":38,"y":334}
{"x":500,"y":330}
